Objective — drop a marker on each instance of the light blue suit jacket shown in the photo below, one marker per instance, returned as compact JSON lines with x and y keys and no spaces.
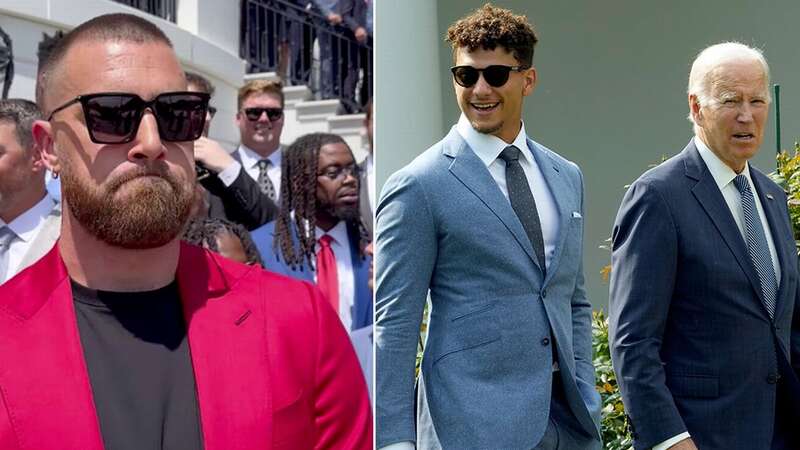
{"x":444,"y":226}
{"x":362,"y":306}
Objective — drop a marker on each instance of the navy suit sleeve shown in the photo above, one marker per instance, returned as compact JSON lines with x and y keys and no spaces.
{"x":582,"y":338}
{"x":644,"y":266}
{"x":407,"y":245}
{"x":243,"y":200}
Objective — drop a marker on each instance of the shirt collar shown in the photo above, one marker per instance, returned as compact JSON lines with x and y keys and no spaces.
{"x":338,"y":233}
{"x":489,"y":147}
{"x":27,"y":223}
{"x":250,"y":158}
{"x":721,"y":172}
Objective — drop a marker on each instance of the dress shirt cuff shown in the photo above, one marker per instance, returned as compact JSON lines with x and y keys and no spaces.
{"x":672,"y":441}
{"x":229,"y":175}
{"x":405,"y":445}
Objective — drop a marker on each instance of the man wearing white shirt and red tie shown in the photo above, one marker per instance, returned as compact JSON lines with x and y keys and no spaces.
{"x":318,"y":236}
{"x":29,"y":217}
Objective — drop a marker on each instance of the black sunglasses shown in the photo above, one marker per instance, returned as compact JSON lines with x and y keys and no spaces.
{"x":114,"y":117}
{"x":254,"y":114}
{"x":495,"y":75}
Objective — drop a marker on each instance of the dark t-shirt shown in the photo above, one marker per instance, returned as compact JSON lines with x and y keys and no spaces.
{"x":139,"y":367}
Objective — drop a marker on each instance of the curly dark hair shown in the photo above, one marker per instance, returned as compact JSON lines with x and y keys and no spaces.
{"x":203,"y":231}
{"x":298,"y":209}
{"x":489,"y":27}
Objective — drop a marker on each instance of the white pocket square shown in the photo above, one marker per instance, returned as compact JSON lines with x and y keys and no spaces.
{"x":576,"y":215}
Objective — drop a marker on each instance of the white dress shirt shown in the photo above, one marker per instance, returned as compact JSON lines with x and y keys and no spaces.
{"x":723,"y":176}
{"x":249,"y":163}
{"x":340,"y":245}
{"x":488,"y":149}
{"x":26,"y":226}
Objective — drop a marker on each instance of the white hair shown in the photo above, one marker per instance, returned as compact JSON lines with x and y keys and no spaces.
{"x":711,"y":58}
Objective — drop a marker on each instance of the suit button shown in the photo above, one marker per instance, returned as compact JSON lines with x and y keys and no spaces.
{"x":544,"y":293}
{"x":546,"y":342}
{"x":772,"y":378}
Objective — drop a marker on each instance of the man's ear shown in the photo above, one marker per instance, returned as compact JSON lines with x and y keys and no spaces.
{"x":529,"y":81}
{"x":694,"y":109}
{"x":43,"y":138}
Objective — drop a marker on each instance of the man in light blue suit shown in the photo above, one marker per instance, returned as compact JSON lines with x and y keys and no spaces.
{"x":489,"y":223}
{"x":319,"y":196}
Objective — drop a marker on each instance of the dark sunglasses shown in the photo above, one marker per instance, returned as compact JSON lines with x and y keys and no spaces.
{"x":114,"y":117}
{"x":495,"y":75}
{"x":254,"y":114}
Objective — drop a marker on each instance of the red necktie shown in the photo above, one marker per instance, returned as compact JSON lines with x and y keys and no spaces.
{"x":327,"y":279}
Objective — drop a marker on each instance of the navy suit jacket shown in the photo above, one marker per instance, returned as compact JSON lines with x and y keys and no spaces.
{"x":274,"y":262}
{"x":693,"y":346}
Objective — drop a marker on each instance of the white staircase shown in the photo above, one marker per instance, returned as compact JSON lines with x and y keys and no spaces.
{"x":302,"y":115}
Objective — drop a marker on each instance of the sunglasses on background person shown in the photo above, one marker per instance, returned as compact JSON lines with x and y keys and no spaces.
{"x":495,"y":75}
{"x":254,"y":114}
{"x":114,"y":117}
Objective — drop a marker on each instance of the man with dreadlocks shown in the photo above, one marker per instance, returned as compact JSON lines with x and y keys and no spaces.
{"x":319,"y":236}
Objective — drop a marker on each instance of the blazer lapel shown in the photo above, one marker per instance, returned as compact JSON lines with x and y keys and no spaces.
{"x":469,"y":169}
{"x":708,"y":194}
{"x":45,"y":383}
{"x":362,"y":307}
{"x":229,"y":354}
{"x":780,"y":229}
{"x":559,"y":190}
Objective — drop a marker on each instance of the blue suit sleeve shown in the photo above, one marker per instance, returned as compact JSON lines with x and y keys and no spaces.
{"x":644,"y":267}
{"x":407,"y":245}
{"x":582,"y":338}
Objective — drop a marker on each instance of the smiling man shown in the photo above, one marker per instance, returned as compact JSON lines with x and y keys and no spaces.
{"x":124,"y":337}
{"x":489,"y":223}
{"x":705,"y":304}
{"x":319,"y":236}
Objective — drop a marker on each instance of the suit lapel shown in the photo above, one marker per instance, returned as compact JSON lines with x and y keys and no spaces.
{"x":469,"y":169}
{"x":708,"y":194}
{"x":363,"y":297}
{"x":559,"y":190}
{"x":779,"y":228}
{"x":229,"y":354}
{"x":45,"y":383}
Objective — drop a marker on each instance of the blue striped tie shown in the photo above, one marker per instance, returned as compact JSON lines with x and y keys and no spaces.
{"x":757,"y":245}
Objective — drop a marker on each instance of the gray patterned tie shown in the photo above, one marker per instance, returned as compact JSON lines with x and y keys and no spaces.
{"x":264,"y":183}
{"x":757,"y":245}
{"x":522,"y":201}
{"x":7,"y":236}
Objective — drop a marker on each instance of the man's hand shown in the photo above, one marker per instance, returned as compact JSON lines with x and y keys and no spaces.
{"x":361,"y":35}
{"x":334,"y":19}
{"x":211,"y":155}
{"x":686,"y":444}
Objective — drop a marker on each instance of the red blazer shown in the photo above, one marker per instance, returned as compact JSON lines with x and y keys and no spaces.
{"x":273,"y":366}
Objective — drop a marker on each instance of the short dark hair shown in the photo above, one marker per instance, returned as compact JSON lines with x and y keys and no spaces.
{"x":21,"y":113}
{"x":489,"y":27}
{"x":201,"y":82}
{"x":203,"y":232}
{"x":119,"y":27}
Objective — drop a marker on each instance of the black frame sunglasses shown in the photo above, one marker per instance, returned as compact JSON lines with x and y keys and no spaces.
{"x":114,"y":117}
{"x":254,"y":114}
{"x":495,"y":75}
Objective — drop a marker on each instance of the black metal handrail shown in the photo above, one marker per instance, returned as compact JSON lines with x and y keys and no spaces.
{"x":164,"y":9}
{"x":278,"y":36}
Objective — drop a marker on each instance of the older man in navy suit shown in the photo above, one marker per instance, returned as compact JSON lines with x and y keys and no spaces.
{"x":705,"y":312}
{"x":490,"y":223}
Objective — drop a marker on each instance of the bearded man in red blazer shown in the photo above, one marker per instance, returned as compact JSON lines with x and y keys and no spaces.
{"x":123,"y":337}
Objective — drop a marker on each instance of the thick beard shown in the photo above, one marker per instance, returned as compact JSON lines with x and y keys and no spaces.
{"x":347,"y":213}
{"x":148,"y":215}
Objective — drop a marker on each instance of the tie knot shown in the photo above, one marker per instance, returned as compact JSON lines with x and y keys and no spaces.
{"x":263,"y":164}
{"x":7,"y":235}
{"x":325,"y":240}
{"x":741,"y":183}
{"x":510,"y":154}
